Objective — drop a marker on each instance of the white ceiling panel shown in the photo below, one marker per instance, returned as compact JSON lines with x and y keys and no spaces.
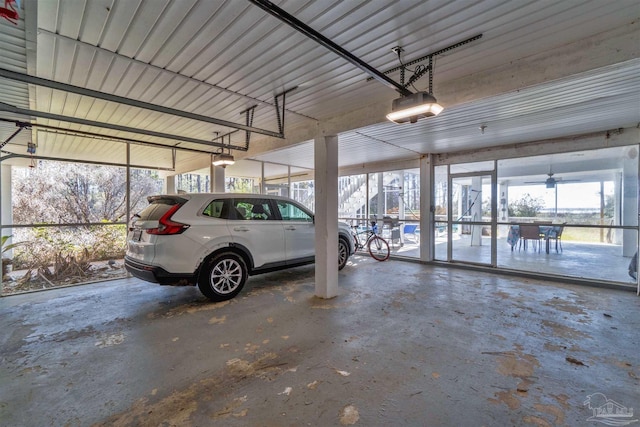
{"x":13,"y":56}
{"x":219,"y":57}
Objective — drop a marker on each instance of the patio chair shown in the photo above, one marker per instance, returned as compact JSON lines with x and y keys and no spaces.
{"x":556,"y":234}
{"x":529,"y":232}
{"x":411,"y":229}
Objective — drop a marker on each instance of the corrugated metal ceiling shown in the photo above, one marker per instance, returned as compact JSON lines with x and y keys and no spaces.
{"x":217,"y":58}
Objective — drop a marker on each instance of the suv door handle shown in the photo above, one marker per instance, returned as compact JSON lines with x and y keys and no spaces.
{"x":240,"y":228}
{"x":290,"y":227}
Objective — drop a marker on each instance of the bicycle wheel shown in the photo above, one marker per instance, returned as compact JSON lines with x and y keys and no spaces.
{"x":378,"y":248}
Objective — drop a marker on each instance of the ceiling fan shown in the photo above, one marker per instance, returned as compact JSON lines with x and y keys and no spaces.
{"x":551,"y":182}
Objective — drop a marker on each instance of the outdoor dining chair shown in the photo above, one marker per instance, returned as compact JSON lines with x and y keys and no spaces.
{"x":530,"y":232}
{"x":556,"y":234}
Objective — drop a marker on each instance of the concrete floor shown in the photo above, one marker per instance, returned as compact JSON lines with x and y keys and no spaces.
{"x":588,"y":261}
{"x":404,"y":344}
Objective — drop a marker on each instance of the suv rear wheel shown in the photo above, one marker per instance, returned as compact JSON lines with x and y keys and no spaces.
{"x":223,"y":276}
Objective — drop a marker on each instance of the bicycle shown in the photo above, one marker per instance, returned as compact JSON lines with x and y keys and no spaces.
{"x":377,"y":246}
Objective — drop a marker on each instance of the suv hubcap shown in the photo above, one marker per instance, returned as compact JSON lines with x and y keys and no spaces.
{"x":226,"y":276}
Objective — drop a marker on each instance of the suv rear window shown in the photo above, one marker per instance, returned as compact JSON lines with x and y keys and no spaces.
{"x":217,"y":209}
{"x":157,"y":208}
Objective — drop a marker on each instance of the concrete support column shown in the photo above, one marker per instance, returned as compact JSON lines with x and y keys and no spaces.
{"x":169,"y":185}
{"x":5,"y":191}
{"x":617,"y":207}
{"x":401,"y":191}
{"x":6,"y":212}
{"x":382,"y":201}
{"x":217,"y":179}
{"x":426,"y":209}
{"x":630,"y":202}
{"x":326,"y":219}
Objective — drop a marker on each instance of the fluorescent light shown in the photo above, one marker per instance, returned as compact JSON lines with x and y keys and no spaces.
{"x":413,"y":107}
{"x":223,"y":160}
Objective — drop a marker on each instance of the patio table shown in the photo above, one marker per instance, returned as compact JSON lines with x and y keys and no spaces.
{"x":514,"y":234}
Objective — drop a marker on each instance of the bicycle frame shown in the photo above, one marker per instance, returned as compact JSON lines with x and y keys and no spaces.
{"x":378,"y":247}
{"x":370,"y":232}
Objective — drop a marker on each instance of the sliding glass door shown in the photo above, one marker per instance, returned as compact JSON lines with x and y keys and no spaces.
{"x":471,"y":218}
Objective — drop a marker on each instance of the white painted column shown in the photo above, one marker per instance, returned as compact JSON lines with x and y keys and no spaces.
{"x":476,"y":210}
{"x":382,"y":201}
{"x":630,"y":202}
{"x":426,"y":209}
{"x":326,"y":219}
{"x":617,"y":207}
{"x":6,"y":209}
{"x":217,"y":179}
{"x":169,"y":184}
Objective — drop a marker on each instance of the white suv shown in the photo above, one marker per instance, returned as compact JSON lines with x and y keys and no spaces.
{"x":218,"y":240}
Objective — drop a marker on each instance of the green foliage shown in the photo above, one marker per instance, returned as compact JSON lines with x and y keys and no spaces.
{"x":193,"y":183}
{"x":57,"y":192}
{"x":7,"y":247}
{"x":526,"y":206}
{"x":240,"y":185}
{"x":94,"y":243}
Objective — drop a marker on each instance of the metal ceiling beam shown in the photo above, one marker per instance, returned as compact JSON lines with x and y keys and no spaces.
{"x":295,"y":23}
{"x":31,"y":113}
{"x":88,"y":162}
{"x":38,"y":81}
{"x":13,"y":135}
{"x":93,"y":135}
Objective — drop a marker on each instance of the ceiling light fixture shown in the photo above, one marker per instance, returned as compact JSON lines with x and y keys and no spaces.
{"x":413,"y":107}
{"x":223,"y":159}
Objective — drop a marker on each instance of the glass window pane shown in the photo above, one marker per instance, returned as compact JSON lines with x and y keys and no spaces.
{"x":304,"y":193}
{"x":276,"y":179}
{"x":216,"y":209}
{"x":352,"y":197}
{"x":291,"y":212}
{"x":588,"y":195}
{"x":461,"y":168}
{"x":195,"y":182}
{"x":254,"y":209}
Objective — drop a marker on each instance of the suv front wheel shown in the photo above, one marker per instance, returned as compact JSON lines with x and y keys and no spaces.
{"x":343,"y":253}
{"x":223,"y":276}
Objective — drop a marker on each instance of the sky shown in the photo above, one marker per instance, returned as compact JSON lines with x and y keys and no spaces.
{"x":570,"y":195}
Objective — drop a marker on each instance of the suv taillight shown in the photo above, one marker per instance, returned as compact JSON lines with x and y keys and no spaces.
{"x":166,"y":226}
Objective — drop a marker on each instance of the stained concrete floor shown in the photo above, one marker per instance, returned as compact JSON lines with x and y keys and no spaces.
{"x":403,"y":344}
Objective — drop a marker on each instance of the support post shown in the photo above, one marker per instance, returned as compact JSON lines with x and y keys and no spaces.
{"x":326,"y":218}
{"x":217,"y":179}
{"x":169,"y":185}
{"x":426,"y":209}
{"x":6,"y":213}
